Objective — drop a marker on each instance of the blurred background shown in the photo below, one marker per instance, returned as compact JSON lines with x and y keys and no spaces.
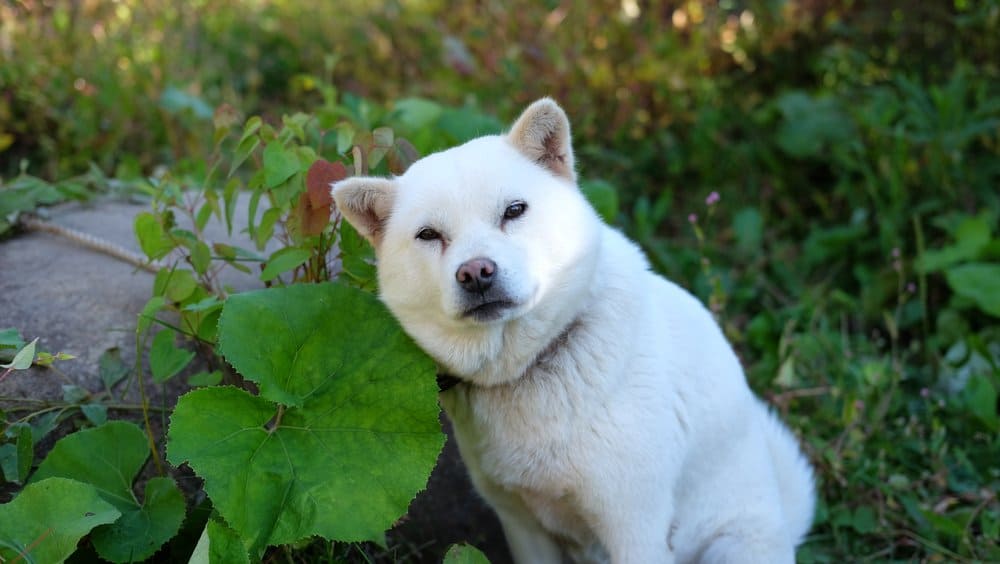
{"x":823,"y":173}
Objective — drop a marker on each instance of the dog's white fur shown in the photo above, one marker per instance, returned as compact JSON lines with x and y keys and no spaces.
{"x":603,"y":415}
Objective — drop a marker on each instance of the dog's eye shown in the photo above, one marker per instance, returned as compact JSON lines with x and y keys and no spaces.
{"x":428,"y":234}
{"x":515,"y":210}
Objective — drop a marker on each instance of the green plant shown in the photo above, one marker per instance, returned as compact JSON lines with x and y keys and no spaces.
{"x":344,"y":429}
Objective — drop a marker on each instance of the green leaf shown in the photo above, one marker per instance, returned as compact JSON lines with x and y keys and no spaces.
{"x":178,"y":284}
{"x":252,"y":125}
{"x":358,"y":442}
{"x":230,"y":195}
{"x":811,"y":124}
{"x":111,"y":368}
{"x":71,"y":393}
{"x":279,"y":165}
{"x":981,"y":399}
{"x":152,"y":237}
{"x":23,"y":358}
{"x":201,"y":257}
{"x":464,"y":554}
{"x":25,"y":453}
{"x":165,"y":358}
{"x":971,"y":236}
{"x":141,"y":531}
{"x":148,"y":313}
{"x":357,"y":257}
{"x":748,"y":226}
{"x":266,"y":228}
{"x":16,"y":458}
{"x":244,"y":149}
{"x":863,"y":520}
{"x":8,"y":463}
{"x":176,"y":101}
{"x":345,"y":137}
{"x":219,"y":544}
{"x":48,"y":518}
{"x":96,"y":413}
{"x":283,"y":261}
{"x":205,"y":379}
{"x":603,"y":196}
{"x":108,"y":458}
{"x":210,"y":303}
{"x":979,"y":282}
{"x":416,"y":113}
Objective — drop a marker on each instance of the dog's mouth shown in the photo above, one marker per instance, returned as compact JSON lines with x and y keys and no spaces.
{"x":489,"y":311}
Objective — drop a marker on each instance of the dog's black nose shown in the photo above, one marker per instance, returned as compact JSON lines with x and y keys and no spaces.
{"x":476,"y":275}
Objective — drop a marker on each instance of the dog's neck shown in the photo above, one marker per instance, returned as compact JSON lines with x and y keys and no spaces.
{"x":446,"y":381}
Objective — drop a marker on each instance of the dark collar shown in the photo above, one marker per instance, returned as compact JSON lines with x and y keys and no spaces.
{"x":446,"y":382}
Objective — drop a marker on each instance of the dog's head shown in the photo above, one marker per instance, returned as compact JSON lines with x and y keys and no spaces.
{"x":480,"y":234}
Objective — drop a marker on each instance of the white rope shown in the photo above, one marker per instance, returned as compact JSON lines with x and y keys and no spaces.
{"x":92,"y":243}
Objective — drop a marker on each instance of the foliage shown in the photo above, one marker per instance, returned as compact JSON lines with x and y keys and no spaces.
{"x":46,"y":521}
{"x":108,"y":458}
{"x":823,"y":174}
{"x":342,"y":434}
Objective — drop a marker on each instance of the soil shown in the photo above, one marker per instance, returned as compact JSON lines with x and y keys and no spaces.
{"x":83,"y":302}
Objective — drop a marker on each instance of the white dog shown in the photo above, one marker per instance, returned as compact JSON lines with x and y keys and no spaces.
{"x":600,"y":410}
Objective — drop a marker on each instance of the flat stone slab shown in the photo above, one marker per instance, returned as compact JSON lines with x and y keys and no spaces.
{"x":73,"y":299}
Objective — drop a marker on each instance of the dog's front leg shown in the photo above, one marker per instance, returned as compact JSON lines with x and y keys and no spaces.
{"x":632,"y":515}
{"x":528,"y":543}
{"x":527,"y":540}
{"x":638,"y":542}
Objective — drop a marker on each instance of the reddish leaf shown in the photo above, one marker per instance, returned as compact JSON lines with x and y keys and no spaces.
{"x":321,"y":175}
{"x":312,"y":214}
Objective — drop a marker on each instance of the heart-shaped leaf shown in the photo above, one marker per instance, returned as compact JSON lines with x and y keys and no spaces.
{"x":345,"y":430}
{"x":46,"y":520}
{"x":165,"y":358}
{"x":108,"y":458}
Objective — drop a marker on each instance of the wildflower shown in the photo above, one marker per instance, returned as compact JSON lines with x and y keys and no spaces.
{"x":692,"y":218}
{"x":712,"y":199}
{"x":924,"y":392}
{"x":911,"y":287}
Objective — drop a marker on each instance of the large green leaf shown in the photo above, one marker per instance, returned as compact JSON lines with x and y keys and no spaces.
{"x":219,"y":544}
{"x":109,"y":457}
{"x":354,"y":439}
{"x":979,"y":282}
{"x":47,"y":519}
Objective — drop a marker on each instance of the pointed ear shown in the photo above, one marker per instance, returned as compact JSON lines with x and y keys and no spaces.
{"x":542,"y":134}
{"x":366,"y":203}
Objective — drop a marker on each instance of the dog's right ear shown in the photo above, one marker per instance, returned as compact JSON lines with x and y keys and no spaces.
{"x":366,"y":203}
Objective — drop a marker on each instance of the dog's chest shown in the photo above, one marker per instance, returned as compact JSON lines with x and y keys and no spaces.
{"x":525,"y":442}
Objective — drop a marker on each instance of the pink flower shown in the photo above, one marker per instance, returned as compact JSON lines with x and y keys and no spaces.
{"x":692,"y":218}
{"x":712,"y":199}
{"x":895,"y":252}
{"x":924,"y":392}
{"x":911,"y":287}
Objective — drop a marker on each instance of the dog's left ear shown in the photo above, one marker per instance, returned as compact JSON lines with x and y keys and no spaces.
{"x":542,"y":134}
